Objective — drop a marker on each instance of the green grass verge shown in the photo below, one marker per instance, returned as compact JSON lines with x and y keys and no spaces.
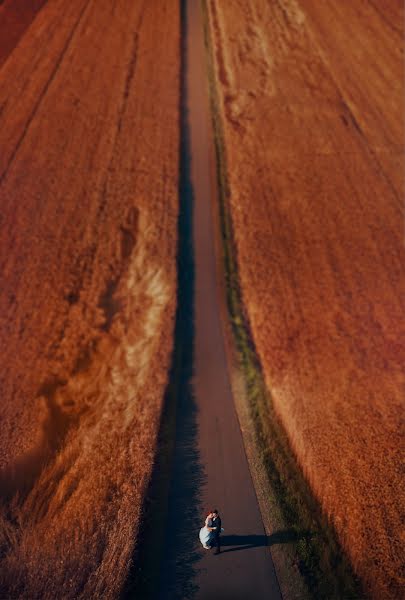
{"x":316,"y":552}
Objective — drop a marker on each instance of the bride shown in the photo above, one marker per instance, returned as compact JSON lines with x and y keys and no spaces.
{"x":207,"y":532}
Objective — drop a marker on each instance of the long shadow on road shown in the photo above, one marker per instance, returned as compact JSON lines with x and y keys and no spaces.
{"x":165,"y":564}
{"x":233,"y":543}
{"x":181,"y":550}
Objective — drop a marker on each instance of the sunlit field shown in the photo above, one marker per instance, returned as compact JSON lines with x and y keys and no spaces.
{"x":88,"y":190}
{"x":202,"y":299}
{"x":312,"y":106}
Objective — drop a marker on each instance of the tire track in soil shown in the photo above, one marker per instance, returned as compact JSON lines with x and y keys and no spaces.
{"x":15,"y":18}
{"x":43,"y":93}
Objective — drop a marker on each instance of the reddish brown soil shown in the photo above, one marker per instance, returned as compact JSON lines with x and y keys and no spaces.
{"x":88,"y":190}
{"x":15,"y":17}
{"x":312,"y":97}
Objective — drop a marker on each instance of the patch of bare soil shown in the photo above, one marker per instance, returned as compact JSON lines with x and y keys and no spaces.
{"x":88,"y":188}
{"x":15,"y":17}
{"x":312,"y":99}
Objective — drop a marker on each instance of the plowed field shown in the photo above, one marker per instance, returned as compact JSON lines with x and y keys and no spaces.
{"x":312,"y":100}
{"x":89,"y":96}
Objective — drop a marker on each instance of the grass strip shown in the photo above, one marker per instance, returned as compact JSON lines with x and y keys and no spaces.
{"x":313,"y":548}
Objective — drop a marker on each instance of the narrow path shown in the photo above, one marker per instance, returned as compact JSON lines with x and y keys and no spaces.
{"x":210,"y":467}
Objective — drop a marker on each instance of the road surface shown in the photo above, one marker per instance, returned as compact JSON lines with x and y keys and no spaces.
{"x":210,"y":467}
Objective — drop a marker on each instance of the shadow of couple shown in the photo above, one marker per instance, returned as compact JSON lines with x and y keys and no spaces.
{"x":232,"y":543}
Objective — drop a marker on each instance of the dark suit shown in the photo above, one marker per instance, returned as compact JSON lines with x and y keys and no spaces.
{"x":216,"y":541}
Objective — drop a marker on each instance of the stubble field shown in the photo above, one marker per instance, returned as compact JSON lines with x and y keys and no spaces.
{"x":88,"y":190}
{"x":312,"y":104}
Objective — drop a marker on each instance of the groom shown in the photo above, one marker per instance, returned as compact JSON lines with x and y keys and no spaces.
{"x":216,"y":525}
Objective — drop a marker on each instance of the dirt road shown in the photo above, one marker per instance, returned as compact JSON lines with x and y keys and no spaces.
{"x":210,"y":467}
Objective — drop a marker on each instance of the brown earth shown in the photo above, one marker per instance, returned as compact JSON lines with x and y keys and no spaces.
{"x":15,"y":17}
{"x":88,"y":188}
{"x":312,"y":99}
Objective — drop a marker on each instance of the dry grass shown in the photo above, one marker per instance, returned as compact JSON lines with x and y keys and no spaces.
{"x":313,"y":129}
{"x":88,"y":187}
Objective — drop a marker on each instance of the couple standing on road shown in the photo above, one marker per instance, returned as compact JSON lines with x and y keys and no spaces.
{"x":210,"y":534}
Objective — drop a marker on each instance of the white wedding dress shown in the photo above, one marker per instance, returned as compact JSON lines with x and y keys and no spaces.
{"x":206,"y":535}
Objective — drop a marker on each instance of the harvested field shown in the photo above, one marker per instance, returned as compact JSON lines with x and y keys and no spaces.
{"x":15,"y":18}
{"x":312,"y":103}
{"x":89,"y":141}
